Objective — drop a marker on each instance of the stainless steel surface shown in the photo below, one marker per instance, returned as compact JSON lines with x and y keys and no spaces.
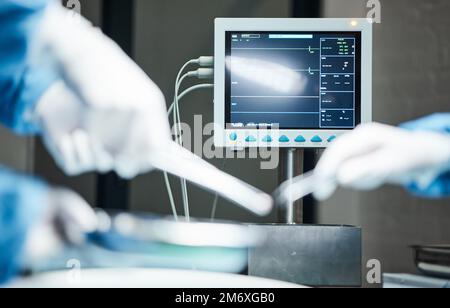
{"x":321,"y":256}
{"x":291,"y":164}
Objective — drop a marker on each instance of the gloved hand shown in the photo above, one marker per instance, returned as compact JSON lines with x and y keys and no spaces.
{"x":67,"y":219}
{"x":105,"y":114}
{"x":376,"y":154}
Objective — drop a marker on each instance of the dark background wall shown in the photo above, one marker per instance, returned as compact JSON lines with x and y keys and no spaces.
{"x":15,"y":151}
{"x":411,"y":72}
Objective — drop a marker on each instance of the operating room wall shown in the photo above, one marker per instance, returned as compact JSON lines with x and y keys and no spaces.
{"x":411,"y":76}
{"x":168,"y":33}
{"x":15,"y":152}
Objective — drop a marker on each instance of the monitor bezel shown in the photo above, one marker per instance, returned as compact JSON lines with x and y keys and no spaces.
{"x":321,"y":25}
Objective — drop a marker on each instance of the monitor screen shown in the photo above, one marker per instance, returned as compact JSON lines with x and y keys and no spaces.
{"x":293,"y":80}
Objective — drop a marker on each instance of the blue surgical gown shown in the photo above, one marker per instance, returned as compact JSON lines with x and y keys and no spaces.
{"x":440,"y":187}
{"x":21,"y":86}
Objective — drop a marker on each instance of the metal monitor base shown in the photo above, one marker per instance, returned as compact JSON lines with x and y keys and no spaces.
{"x":313,"y":255}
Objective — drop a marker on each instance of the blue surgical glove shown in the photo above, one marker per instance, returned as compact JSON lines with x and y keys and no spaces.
{"x":439,"y":123}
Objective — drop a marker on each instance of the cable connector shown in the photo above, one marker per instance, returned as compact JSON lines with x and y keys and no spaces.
{"x":205,"y":73}
{"x":205,"y":61}
{"x":201,"y":73}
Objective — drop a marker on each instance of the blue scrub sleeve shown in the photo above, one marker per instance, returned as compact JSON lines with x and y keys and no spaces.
{"x":439,"y":123}
{"x":21,"y":85}
{"x":22,"y":201}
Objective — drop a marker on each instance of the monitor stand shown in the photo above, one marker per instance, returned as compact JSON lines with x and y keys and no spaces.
{"x":300,"y":252}
{"x":292,"y":164}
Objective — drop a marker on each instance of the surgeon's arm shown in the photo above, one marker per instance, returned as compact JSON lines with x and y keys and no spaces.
{"x":21,"y":203}
{"x":439,"y":123}
{"x":21,"y":84}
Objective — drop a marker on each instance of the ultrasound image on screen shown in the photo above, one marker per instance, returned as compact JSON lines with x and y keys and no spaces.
{"x":293,"y":80}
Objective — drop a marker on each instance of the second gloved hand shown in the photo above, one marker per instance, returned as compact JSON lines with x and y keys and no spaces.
{"x":66,"y":220}
{"x":377,"y":154}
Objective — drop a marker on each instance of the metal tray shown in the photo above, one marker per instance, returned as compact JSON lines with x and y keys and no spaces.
{"x":433,"y":260}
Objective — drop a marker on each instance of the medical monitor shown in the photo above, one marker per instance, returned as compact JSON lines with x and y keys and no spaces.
{"x":296,"y":83}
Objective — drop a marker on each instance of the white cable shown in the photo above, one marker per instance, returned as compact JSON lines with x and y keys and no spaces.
{"x":179,"y":140}
{"x":188,"y":91}
{"x":170,"y":193}
{"x":202,"y":73}
{"x":216,"y":197}
{"x":171,"y":109}
{"x":214,"y":207}
{"x":166,"y":176}
{"x":176,"y":114}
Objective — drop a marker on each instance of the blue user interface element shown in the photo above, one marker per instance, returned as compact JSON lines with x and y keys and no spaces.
{"x":293,"y":80}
